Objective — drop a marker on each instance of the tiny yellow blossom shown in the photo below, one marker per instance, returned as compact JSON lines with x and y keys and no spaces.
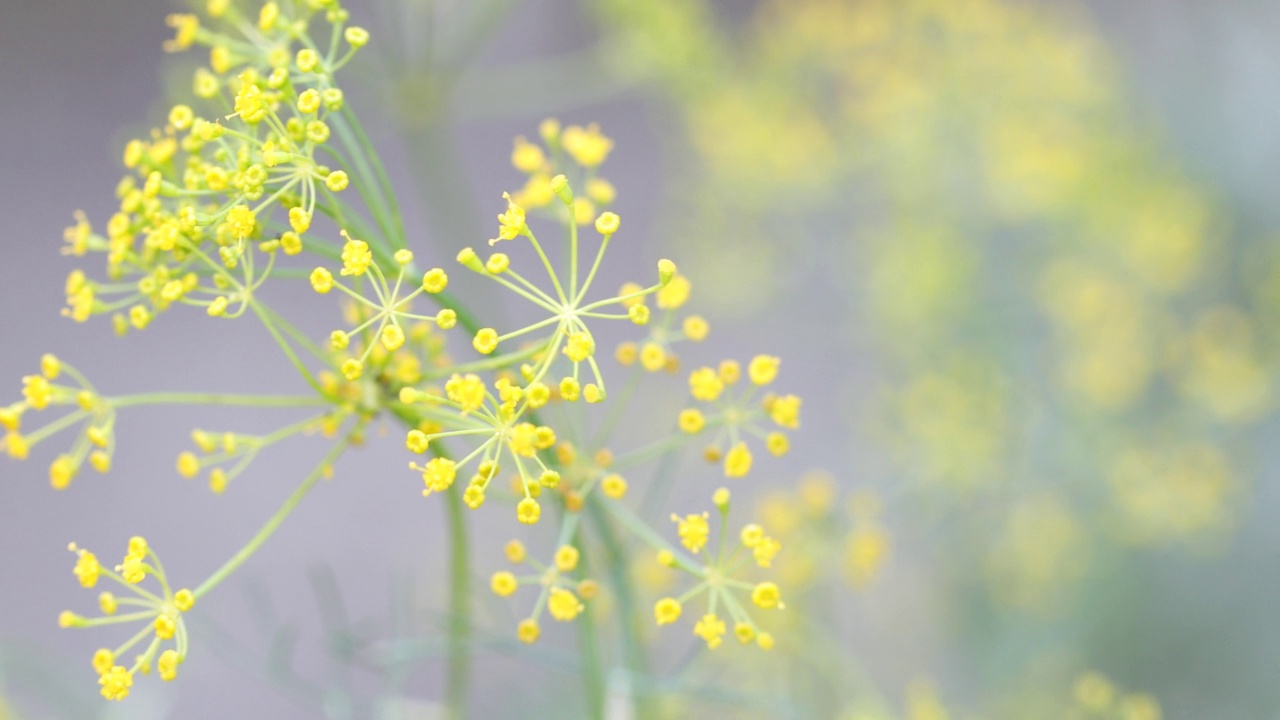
{"x":763,"y":369}
{"x":766,"y":595}
{"x":503,"y":583}
{"x":737,"y":462}
{"x":588,"y":146}
{"x":613,"y":486}
{"x":321,"y":280}
{"x":356,"y":257}
{"x":87,"y":569}
{"x":116,"y":683}
{"x":705,"y":384}
{"x":693,"y":530}
{"x":608,"y":223}
{"x":666,"y":611}
{"x":485,"y":341}
{"x":103,"y":660}
{"x":435,"y":280}
{"x":527,"y":157}
{"x":563,"y":605}
{"x":528,"y":631}
{"x":337,"y":181}
{"x":510,"y":223}
{"x":528,"y":511}
{"x":711,"y":629}
{"x":515,"y":552}
{"x":566,"y":558}
{"x":167,"y":665}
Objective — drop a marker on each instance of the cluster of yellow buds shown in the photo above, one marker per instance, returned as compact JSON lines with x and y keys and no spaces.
{"x":381,"y":323}
{"x":655,"y":352}
{"x":93,"y":413}
{"x":715,"y":574}
{"x":739,"y":414}
{"x":234,"y":184}
{"x":160,"y":613}
{"x":561,"y":594}
{"x":502,"y":413}
{"x":223,"y":188}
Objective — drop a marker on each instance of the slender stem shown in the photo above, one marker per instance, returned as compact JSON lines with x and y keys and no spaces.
{"x":272,"y":524}
{"x":592,"y":662}
{"x":180,"y":398}
{"x":457,"y":678}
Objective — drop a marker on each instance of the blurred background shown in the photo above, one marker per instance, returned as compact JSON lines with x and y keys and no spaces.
{"x":1018,"y":257}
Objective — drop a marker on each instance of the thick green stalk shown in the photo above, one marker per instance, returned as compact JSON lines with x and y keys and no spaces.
{"x":457,"y":679}
{"x":458,"y":673}
{"x":628,"y":615}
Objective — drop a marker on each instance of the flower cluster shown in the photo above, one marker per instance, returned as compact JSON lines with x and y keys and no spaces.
{"x":715,"y":573}
{"x":501,"y":414}
{"x":159,"y":611}
{"x":236,"y":182}
{"x":561,"y":594}
{"x":736,"y":414}
{"x":94,"y":414}
{"x":231,"y":181}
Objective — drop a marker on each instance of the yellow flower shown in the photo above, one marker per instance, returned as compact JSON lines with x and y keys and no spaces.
{"x":589,"y":147}
{"x":439,"y":474}
{"x":693,"y":530}
{"x":666,"y":611}
{"x":528,"y":511}
{"x":711,"y":629}
{"x":165,"y":627}
{"x":763,"y":369}
{"x":766,"y":595}
{"x":435,"y":280}
{"x":321,"y":280}
{"x":579,"y":347}
{"x":785,"y":411}
{"x":485,"y":341}
{"x":87,"y":569}
{"x":613,"y":486}
{"x":168,"y":665}
{"x":563,"y":605}
{"x":528,"y":631}
{"x":510,"y":223}
{"x":515,"y":552}
{"x":566,"y":558}
{"x":705,"y":384}
{"x":103,"y":661}
{"x":608,"y":223}
{"x":356,"y":256}
{"x":527,"y":157}
{"x":503,"y":583}
{"x":116,"y":683}
{"x":337,"y":181}
{"x":737,"y":462}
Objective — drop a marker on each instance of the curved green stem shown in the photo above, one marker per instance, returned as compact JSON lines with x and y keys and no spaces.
{"x":272,"y":524}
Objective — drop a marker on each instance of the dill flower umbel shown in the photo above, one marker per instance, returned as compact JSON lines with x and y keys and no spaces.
{"x":715,"y":571}
{"x":737,"y":414}
{"x":266,"y":162}
{"x":159,"y":611}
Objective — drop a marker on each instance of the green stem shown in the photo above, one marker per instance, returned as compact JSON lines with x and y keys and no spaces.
{"x":458,"y":675}
{"x":628,"y":614}
{"x":179,"y":398}
{"x":458,"y":672}
{"x":272,"y":524}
